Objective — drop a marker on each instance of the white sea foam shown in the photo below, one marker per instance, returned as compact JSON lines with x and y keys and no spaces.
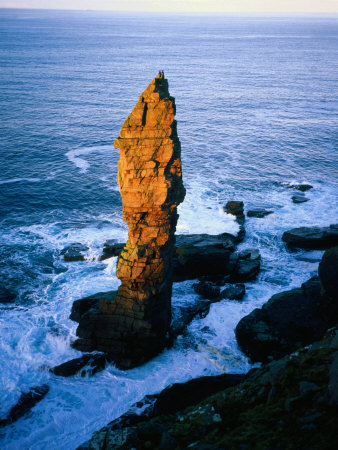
{"x":74,"y":156}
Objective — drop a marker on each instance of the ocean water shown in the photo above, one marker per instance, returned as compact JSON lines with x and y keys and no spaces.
{"x":257,"y":111}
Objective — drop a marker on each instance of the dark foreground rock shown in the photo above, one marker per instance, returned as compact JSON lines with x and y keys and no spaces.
{"x":312,"y":237}
{"x":328,"y":274}
{"x":291,"y":403}
{"x":74,"y":252}
{"x":86,"y":365}
{"x":26,"y":402}
{"x":171,"y":400}
{"x":292,"y":318}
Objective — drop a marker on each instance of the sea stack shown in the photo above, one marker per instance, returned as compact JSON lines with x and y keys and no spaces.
{"x":132,"y":326}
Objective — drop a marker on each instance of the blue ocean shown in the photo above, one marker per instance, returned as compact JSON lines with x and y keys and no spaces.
{"x":257,"y":109}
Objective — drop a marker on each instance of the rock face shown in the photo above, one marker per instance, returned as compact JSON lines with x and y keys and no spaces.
{"x":132,"y":327}
{"x":292,"y":318}
{"x":286,"y":404}
{"x":312,"y":237}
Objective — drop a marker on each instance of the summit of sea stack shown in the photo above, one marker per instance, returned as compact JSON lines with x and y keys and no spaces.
{"x":131,"y":325}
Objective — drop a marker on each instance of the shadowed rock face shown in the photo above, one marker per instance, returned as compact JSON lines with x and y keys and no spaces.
{"x":132,"y":327}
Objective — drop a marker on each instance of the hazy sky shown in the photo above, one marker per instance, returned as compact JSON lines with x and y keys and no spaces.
{"x":239,"y":6}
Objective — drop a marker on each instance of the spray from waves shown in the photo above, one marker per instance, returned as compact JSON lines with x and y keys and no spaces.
{"x":74,"y":156}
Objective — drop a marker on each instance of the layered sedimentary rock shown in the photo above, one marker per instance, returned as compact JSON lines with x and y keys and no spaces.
{"x":133,"y":325}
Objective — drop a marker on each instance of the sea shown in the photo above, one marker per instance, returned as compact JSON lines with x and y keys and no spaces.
{"x":256,"y":101}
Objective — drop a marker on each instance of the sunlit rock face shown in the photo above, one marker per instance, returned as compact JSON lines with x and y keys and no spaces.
{"x":132,"y":328}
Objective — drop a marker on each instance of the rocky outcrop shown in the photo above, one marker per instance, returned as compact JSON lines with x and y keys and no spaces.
{"x":292,"y":318}
{"x":86,"y":365}
{"x":289,"y":403}
{"x":300,"y":187}
{"x":202,"y":254}
{"x":328,"y":274}
{"x":236,"y":209}
{"x":312,"y":237}
{"x":132,"y":327}
{"x":25,"y":403}
{"x":74,"y":252}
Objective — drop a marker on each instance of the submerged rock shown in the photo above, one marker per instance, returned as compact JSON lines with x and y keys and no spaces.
{"x":25,"y":403}
{"x":259,"y":213}
{"x":74,"y":252}
{"x":312,"y":237}
{"x":132,"y":327}
{"x":299,"y":198}
{"x":6,"y":295}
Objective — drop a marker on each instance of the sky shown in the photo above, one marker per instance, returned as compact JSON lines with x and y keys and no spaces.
{"x":194,"y":6}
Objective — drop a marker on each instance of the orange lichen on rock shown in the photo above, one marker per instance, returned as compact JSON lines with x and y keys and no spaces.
{"x":133,"y":327}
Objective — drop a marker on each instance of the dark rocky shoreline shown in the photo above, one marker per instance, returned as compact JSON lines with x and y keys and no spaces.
{"x":290,"y":402}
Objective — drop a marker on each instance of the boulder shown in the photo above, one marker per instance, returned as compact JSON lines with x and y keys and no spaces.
{"x":301,"y":187}
{"x":25,"y":403}
{"x":245,"y":265}
{"x":287,"y":321}
{"x":312,"y":237}
{"x":85,"y":365}
{"x":259,"y":213}
{"x":235,"y":292}
{"x":74,"y":252}
{"x":202,"y":254}
{"x":207,"y":290}
{"x":235,"y":208}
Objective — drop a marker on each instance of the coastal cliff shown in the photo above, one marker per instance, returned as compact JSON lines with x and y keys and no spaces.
{"x":131,"y":325}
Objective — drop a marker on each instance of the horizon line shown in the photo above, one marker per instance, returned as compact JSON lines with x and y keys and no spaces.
{"x":271,"y":13}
